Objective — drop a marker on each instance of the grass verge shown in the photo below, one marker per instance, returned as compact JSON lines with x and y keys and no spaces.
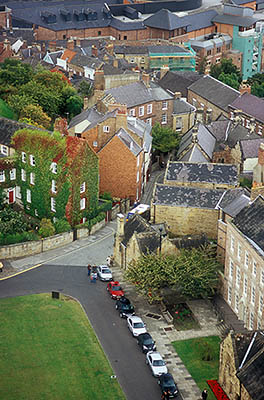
{"x":192,"y":351}
{"x":48,"y":350}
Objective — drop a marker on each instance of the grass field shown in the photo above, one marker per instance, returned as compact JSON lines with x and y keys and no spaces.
{"x":5,"y":110}
{"x":48,"y":350}
{"x":191,"y":352}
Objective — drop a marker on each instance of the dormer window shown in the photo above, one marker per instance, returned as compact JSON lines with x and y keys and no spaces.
{"x":2,"y":176}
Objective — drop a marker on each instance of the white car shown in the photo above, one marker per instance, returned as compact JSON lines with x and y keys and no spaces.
{"x":136,"y":325}
{"x":156,"y":363}
{"x":104,"y":273}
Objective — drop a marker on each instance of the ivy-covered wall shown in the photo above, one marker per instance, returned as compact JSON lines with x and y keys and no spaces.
{"x":75,"y":163}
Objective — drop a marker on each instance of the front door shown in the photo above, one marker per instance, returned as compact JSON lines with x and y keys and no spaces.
{"x":11,"y":196}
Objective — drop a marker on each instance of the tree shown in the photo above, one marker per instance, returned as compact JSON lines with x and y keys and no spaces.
{"x":193,"y":272}
{"x":229,"y":79}
{"x":18,"y":102}
{"x":164,"y":138}
{"x":46,"y":228}
{"x":202,"y":66}
{"x":226,"y":66}
{"x":73,"y":105}
{"x":85,"y":89}
{"x":11,"y":221}
{"x":15,"y":73}
{"x":36,"y":115}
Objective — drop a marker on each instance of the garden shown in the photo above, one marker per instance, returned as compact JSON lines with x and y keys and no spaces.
{"x":49,"y":351}
{"x":201,"y":358}
{"x":183,"y":318}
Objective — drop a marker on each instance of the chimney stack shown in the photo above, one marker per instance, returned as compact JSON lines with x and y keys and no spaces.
{"x":94,"y":51}
{"x":237,"y":116}
{"x":195,"y":134}
{"x":163,"y":71}
{"x":261,"y":154}
{"x":199,"y":115}
{"x":208,"y":116}
{"x":145,"y":79}
{"x":177,"y":95}
{"x":70,"y":44}
{"x":120,"y":225}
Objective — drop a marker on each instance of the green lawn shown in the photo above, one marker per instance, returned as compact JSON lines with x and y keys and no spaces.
{"x":191,"y":352}
{"x":5,"y":110}
{"x":48,"y":350}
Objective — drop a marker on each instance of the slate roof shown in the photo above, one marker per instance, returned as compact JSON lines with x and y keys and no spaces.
{"x":8,"y":127}
{"x":148,"y":242}
{"x":194,"y":155}
{"x":184,"y":196}
{"x":85,"y":61}
{"x":181,"y":106}
{"x":140,"y":225}
{"x":167,"y":49}
{"x":236,"y":20}
{"x":202,"y":173}
{"x":131,"y":144}
{"x":166,"y":20}
{"x":92,"y":116}
{"x":137,"y":93}
{"x":142,"y":129}
{"x":179,"y":81}
{"x":250,"y":221}
{"x":141,"y":50}
{"x":250,"y":147}
{"x":200,"y":20}
{"x":214,"y":91}
{"x":126,"y":26}
{"x":251,"y":105}
{"x":219,"y":129}
{"x":237,"y":133}
{"x":205,"y":139}
{"x":234,"y":200}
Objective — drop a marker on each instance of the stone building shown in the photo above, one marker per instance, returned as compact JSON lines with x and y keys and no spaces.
{"x":241,"y":365}
{"x":243,"y":287}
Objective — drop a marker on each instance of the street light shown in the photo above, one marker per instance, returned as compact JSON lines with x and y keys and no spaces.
{"x":160,"y":229}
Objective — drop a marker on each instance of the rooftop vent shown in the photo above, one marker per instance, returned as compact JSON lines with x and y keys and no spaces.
{"x":48,"y":17}
{"x":66,"y":15}
{"x":90,"y":14}
{"x":106,"y":11}
{"x":79,"y":14}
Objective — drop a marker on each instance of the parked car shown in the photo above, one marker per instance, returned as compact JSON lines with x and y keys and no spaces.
{"x":156,"y":363}
{"x":115,"y":290}
{"x":104,"y":273}
{"x":136,"y":325}
{"x":167,"y":383}
{"x":145,"y":342}
{"x":124,"y":307}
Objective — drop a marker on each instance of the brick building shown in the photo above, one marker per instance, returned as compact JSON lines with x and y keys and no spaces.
{"x":244,"y":264}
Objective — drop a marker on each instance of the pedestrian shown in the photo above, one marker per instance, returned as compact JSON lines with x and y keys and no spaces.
{"x":204,"y":394}
{"x":1,"y":266}
{"x":165,"y":395}
{"x":89,"y":269}
{"x":108,"y":261}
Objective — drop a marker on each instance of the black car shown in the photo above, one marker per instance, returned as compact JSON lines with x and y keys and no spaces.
{"x":124,"y":307}
{"x":146,"y":342}
{"x":167,"y":383}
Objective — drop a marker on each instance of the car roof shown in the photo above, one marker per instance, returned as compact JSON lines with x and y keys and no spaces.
{"x":135,"y":318}
{"x":155,"y":355}
{"x":166,"y":376}
{"x":104,"y":266}
{"x":115,"y":283}
{"x":145,"y":335}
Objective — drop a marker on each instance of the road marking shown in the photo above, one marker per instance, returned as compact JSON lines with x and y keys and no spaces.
{"x":62,"y":255}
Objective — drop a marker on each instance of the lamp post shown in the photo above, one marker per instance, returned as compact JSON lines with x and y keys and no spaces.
{"x":160,"y":230}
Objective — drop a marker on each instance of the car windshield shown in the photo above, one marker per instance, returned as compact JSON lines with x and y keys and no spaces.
{"x":158,"y":363}
{"x":127,"y":307}
{"x":168,"y":382}
{"x":106,"y":271}
{"x":148,"y":341}
{"x":116,"y":288}
{"x":138,"y":325}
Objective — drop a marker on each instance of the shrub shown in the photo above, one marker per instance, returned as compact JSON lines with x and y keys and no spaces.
{"x":106,"y":196}
{"x":62,"y":225}
{"x":12,"y":221}
{"x":46,"y":228}
{"x":91,"y":222}
{"x":207,"y":351}
{"x":17,"y":238}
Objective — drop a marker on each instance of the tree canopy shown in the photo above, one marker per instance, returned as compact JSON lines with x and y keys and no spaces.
{"x":257,"y":84}
{"x":227,"y":73}
{"x":192,"y":272}
{"x":164,"y":138}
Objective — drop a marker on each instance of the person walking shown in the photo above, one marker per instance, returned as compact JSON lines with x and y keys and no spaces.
{"x":165,"y":395}
{"x":1,"y":266}
{"x":204,"y":394}
{"x":89,"y":269}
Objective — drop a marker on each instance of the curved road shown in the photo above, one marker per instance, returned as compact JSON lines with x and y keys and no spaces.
{"x":67,"y":273}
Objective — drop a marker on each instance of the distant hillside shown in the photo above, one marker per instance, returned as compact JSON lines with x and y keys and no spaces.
{"x":6,"y":111}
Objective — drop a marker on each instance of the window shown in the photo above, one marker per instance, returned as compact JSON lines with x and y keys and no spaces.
{"x":18,"y":192}
{"x":229,"y":294}
{"x":178,"y":123}
{"x":218,"y":49}
{"x":259,"y":324}
{"x":260,"y":130}
{"x":4,"y":150}
{"x":142,"y":60}
{"x":239,"y":251}
{"x":99,"y":33}
{"x":32,"y":160}
{"x":82,"y":187}
{"x":164,"y":119}
{"x":53,"y":186}
{"x":32,"y":178}
{"x":228,"y":46}
{"x":251,"y":321}
{"x":202,"y":105}
{"x":194,"y":102}
{"x":208,"y":62}
{"x":95,"y":144}
{"x":232,"y":244}
{"x":253,"y":294}
{"x":260,"y":304}
{"x":246,"y":259}
{"x":217,"y":61}
{"x":23,"y":175}
{"x":2,"y":176}
{"x":106,"y":128}
{"x":132,"y":112}
{"x":23,"y":157}
{"x":231,"y":115}
{"x":254,"y":268}
{"x":82,"y":204}
{"x":132,"y":60}
{"x":247,"y":123}
{"x":236,"y":302}
{"x":245,"y":286}
{"x":138,"y":158}
{"x":209,"y":52}
{"x":125,"y":37}
{"x":141,"y":111}
{"x":138,"y":176}
{"x":28,"y":196}
{"x":238,"y":276}
{"x":164,"y":105}
{"x":149,"y":121}
{"x":52,"y":204}
{"x":262,"y":277}
{"x":53,"y":167}
{"x":231,"y":269}
{"x":12,"y":174}
{"x":149,"y":108}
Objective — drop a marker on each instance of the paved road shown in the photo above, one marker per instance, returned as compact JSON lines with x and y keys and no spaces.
{"x":67,"y":274}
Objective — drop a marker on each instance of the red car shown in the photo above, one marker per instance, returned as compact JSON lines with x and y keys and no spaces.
{"x":115,"y":290}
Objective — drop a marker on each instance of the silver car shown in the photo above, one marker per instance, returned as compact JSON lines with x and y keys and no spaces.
{"x":104,"y":273}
